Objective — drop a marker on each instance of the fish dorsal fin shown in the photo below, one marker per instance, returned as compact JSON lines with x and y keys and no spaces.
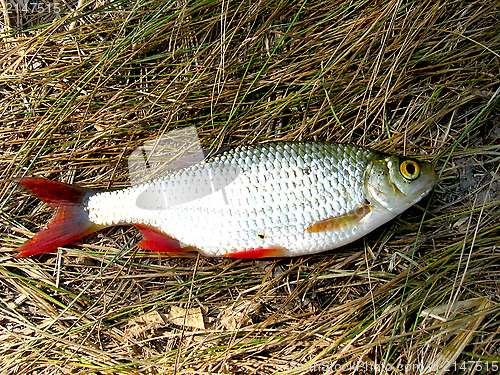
{"x":352,"y":217}
{"x":165,"y":154}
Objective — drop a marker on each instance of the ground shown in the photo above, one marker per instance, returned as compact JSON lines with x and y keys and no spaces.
{"x":83,"y":85}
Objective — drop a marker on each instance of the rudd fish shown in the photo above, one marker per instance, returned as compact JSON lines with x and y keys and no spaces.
{"x":282,"y":199}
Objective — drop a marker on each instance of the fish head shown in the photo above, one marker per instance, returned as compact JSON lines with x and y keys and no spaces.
{"x":397,"y":183}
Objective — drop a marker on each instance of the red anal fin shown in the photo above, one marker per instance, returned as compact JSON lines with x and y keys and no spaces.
{"x":258,"y":253}
{"x":70,"y":223}
{"x":338,"y":222}
{"x":157,"y":241}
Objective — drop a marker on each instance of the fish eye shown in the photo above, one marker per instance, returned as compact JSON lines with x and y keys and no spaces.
{"x":409,"y":169}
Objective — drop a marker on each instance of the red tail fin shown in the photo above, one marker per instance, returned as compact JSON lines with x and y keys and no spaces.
{"x":71,"y":221}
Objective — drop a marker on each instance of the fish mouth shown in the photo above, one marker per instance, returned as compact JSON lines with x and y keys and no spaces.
{"x":428,"y":183}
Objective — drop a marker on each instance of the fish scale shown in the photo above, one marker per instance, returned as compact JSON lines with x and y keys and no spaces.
{"x":275,"y":199}
{"x":310,"y":188}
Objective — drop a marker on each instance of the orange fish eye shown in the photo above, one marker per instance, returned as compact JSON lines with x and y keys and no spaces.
{"x":409,"y":169}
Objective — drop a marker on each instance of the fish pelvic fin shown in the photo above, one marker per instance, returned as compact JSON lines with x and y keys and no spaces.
{"x":258,"y":253}
{"x":71,"y":221}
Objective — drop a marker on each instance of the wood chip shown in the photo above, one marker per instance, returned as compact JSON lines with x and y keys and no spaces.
{"x":186,"y":317}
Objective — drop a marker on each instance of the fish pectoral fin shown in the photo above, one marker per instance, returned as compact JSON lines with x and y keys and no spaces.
{"x":337,"y":222}
{"x":157,"y":241}
{"x":268,"y":252}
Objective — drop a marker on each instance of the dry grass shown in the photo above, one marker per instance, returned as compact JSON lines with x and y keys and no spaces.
{"x":82,"y":87}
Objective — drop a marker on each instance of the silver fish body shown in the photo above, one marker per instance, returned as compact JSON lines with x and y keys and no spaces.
{"x":275,"y":199}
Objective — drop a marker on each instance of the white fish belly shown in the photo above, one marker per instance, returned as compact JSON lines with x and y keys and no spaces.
{"x":249,"y":198}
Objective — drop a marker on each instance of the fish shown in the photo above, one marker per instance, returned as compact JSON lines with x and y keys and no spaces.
{"x":278,"y":199}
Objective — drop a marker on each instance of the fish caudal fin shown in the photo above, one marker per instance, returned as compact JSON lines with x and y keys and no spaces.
{"x":70,"y":223}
